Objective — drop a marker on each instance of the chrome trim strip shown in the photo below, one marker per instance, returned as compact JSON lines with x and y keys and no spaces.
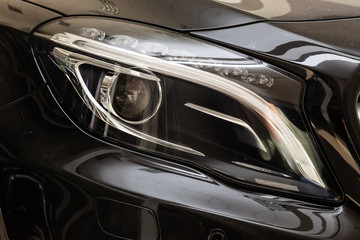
{"x":277,"y":184}
{"x":106,"y":86}
{"x":285,"y":138}
{"x":73,"y":61}
{"x":260,"y":169}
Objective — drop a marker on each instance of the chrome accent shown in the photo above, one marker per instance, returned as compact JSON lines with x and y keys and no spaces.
{"x":73,"y":61}
{"x":277,"y":184}
{"x":229,"y":119}
{"x":3,"y":232}
{"x":287,"y":141}
{"x":260,"y":169}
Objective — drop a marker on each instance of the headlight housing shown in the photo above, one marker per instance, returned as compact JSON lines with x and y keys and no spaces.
{"x":186,"y":100}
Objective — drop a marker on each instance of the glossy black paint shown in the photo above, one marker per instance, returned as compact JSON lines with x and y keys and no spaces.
{"x":331,"y":71}
{"x":52,"y":174}
{"x":52,"y":190}
{"x":14,"y":78}
{"x":23,"y":16}
{"x":184,"y":14}
{"x":17,"y":19}
{"x":202,"y":14}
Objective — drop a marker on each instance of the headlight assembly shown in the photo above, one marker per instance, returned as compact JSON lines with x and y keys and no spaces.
{"x":185,"y":100}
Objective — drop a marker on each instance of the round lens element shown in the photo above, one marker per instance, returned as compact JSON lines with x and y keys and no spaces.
{"x":135,"y":99}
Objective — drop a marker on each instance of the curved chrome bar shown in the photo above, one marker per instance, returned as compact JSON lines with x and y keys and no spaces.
{"x":73,"y":61}
{"x":289,"y":144}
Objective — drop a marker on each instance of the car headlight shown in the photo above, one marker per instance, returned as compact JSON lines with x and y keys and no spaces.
{"x":186,"y":100}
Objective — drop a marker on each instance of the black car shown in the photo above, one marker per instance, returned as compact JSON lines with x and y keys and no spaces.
{"x":179,"y":119}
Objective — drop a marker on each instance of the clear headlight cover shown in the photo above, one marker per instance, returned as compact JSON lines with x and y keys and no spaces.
{"x":186,"y":100}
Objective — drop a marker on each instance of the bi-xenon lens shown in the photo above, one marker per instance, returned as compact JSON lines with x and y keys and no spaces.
{"x":133,"y":97}
{"x":183,"y":98}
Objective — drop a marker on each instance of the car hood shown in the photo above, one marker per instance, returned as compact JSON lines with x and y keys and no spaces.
{"x":205,"y":14}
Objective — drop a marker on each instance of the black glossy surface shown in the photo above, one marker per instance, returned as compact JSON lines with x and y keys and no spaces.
{"x":52,"y":173}
{"x":127,"y":221}
{"x":57,"y":175}
{"x":331,"y":73}
{"x":201,"y":14}
{"x":18,"y":76}
{"x":293,"y":10}
{"x":22,"y":15}
{"x":71,"y":198}
{"x":178,"y":14}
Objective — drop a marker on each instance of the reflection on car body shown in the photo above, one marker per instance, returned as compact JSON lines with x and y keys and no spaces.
{"x":179,"y":119}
